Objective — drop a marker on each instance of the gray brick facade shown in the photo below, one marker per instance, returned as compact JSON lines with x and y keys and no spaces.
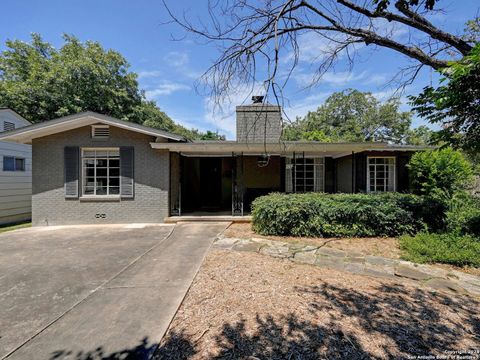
{"x":151,"y":168}
{"x":259,"y":123}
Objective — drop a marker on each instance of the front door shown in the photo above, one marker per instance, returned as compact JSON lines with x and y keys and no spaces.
{"x":210,"y":183}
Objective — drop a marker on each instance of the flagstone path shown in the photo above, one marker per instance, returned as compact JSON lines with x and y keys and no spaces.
{"x":356,"y":263}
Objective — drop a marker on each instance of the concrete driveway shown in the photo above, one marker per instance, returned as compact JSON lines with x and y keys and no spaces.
{"x":95,"y":292}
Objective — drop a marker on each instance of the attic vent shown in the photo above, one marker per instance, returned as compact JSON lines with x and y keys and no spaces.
{"x":100,"y":131}
{"x":7,"y":126}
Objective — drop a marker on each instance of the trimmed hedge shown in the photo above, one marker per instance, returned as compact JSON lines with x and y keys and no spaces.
{"x":336,"y":215}
{"x":446,"y":248}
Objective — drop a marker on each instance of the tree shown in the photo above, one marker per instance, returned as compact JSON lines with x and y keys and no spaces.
{"x":440,"y":173}
{"x":353,"y":116}
{"x":210,"y":135}
{"x":456,"y":105}
{"x":42,"y":83}
{"x":256,"y":36}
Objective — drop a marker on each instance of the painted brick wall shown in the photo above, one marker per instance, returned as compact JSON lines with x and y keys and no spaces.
{"x":259,"y":123}
{"x":49,"y":206}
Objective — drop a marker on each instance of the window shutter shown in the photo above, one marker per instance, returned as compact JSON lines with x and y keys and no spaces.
{"x":71,"y":156}
{"x":126,"y":171}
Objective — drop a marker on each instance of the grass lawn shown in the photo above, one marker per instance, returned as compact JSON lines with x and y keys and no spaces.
{"x":248,"y":306}
{"x":15,"y":227}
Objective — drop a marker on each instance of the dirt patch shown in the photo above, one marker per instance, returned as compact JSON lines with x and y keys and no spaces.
{"x":244,"y":304}
{"x":378,"y":246}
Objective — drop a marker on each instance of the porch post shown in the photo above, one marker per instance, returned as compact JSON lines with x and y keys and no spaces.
{"x":175,"y":185}
{"x":353,"y":172}
{"x":237,"y":185}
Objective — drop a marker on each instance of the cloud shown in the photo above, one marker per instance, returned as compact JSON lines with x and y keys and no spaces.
{"x":222,"y":114}
{"x":310,"y":103}
{"x":336,"y":78}
{"x":165,"y":88}
{"x":149,"y":74}
{"x":177,"y":58}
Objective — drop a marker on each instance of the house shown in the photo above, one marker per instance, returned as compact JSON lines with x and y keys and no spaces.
{"x":15,"y":172}
{"x":91,"y":168}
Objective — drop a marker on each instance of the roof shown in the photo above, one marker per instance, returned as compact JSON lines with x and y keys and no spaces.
{"x":16,"y":115}
{"x":226,"y":148}
{"x":26,"y":134}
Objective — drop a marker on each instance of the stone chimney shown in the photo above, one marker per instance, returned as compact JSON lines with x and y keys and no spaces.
{"x":259,"y":122}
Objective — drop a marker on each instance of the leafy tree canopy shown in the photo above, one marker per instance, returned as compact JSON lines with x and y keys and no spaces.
{"x":355,"y":116}
{"x":42,"y":83}
{"x":455,"y":106}
{"x":440,"y":173}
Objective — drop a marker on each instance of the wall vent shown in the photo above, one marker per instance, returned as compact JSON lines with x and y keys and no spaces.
{"x":100,"y":131}
{"x":8,"y":126}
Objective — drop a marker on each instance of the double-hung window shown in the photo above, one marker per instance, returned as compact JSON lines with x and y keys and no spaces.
{"x":304,"y":174}
{"x":101,"y":172}
{"x":381,"y":173}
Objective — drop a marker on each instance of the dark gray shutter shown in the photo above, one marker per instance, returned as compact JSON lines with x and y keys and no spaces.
{"x":126,"y":171}
{"x":71,"y":156}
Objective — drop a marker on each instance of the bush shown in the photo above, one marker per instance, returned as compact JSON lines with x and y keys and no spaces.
{"x":439,"y":173}
{"x":463,"y":215}
{"x":448,"y":248}
{"x":335,"y":215}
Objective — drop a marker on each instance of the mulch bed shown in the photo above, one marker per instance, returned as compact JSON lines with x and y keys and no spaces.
{"x":247,"y":306}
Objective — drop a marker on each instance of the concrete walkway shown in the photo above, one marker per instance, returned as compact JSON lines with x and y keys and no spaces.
{"x":118,"y":314}
{"x":427,"y":275}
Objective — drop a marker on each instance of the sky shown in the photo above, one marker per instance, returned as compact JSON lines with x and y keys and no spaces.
{"x":168,"y":68}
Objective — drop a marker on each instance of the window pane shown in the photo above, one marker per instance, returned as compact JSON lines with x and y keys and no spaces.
{"x":89,"y":153}
{"x":101,"y":190}
{"x":101,"y":172}
{"x":114,"y":163}
{"x":113,"y":153}
{"x":89,"y":172}
{"x":101,"y":162}
{"x":89,"y":181}
{"x":8,"y":163}
{"x":114,"y":182}
{"x":114,"y":172}
{"x":88,"y":190}
{"x":19,"y":164}
{"x":114,"y":190}
{"x":101,"y":181}
{"x":90,"y":163}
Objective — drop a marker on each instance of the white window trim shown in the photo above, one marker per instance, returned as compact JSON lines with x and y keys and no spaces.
{"x":100,"y":127}
{"x":394,"y":171}
{"x":290,"y":166}
{"x":94,"y":196}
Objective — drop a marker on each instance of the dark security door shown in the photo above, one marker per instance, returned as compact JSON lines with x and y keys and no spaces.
{"x":210,"y":183}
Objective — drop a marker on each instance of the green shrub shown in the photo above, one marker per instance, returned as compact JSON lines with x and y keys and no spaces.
{"x":439,"y":173}
{"x":448,"y":248}
{"x":334,"y":215}
{"x":463,"y":215}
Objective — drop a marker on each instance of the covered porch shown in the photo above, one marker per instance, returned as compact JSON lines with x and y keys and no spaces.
{"x":223,"y":178}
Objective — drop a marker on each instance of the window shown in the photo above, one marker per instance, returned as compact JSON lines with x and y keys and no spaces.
{"x":101,"y":172}
{"x":381,"y":174}
{"x":7,"y":126}
{"x":304,"y":174}
{"x":12,"y":163}
{"x":100,"y":131}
